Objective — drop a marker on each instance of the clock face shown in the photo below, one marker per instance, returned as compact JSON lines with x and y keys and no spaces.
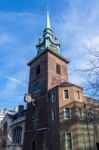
{"x":27,"y":98}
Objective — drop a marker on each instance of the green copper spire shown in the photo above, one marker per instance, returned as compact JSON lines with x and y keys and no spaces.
{"x":48,"y":20}
{"x":48,"y":41}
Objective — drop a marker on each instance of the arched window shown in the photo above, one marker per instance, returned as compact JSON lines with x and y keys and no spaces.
{"x":58,"y":69}
{"x":5,"y":127}
{"x":17,"y":134}
{"x":3,"y":143}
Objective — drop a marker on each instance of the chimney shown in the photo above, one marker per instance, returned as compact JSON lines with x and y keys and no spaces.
{"x":19,"y":108}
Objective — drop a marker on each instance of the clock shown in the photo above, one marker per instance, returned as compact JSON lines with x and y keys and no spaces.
{"x":28,"y":98}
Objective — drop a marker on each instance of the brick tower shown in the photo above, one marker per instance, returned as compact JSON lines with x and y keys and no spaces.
{"x":47,"y":70}
{"x":53,"y":122}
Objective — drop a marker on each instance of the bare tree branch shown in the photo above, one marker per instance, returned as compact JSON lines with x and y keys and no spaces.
{"x":90,"y":74}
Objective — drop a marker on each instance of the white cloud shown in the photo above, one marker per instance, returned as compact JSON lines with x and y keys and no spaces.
{"x":13,"y":79}
{"x":93,"y":42}
{"x":12,"y":90}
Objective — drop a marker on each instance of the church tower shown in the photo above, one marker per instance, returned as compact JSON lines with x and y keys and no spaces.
{"x":48,"y":85}
{"x":48,"y":68}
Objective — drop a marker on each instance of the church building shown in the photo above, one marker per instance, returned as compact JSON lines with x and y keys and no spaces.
{"x":61,"y":118}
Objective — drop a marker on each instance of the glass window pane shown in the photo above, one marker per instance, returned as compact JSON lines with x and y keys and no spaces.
{"x":17,"y":133}
{"x":67,"y":113}
{"x":68,"y":140}
{"x":37,"y":87}
{"x":66,"y":95}
{"x":53,"y":97}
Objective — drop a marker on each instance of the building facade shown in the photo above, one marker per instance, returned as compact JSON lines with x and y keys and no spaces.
{"x":12,"y":129}
{"x":62,"y":118}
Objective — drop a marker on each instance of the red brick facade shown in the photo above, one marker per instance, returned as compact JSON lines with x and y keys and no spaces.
{"x":59,"y":120}
{"x":43,"y":131}
{"x":46,"y":124}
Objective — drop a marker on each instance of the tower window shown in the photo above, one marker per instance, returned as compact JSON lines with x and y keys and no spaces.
{"x":53,"y":114}
{"x":68,"y":141}
{"x":37,"y":87}
{"x":58,"y":70}
{"x":66,"y":95}
{"x":38,"y":69}
{"x":53,"y":97}
{"x":67,"y":113}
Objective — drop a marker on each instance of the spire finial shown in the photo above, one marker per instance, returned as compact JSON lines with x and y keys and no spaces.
{"x":48,"y":41}
{"x":48,"y":20}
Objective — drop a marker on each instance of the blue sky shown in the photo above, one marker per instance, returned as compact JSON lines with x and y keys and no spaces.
{"x":74,"y":22}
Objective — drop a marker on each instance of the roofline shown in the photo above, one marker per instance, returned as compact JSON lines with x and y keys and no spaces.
{"x":71,"y":84}
{"x":7,"y":114}
{"x":68,"y":84}
{"x":47,"y":49}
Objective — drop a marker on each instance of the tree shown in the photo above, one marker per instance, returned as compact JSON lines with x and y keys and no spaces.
{"x":90,"y":74}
